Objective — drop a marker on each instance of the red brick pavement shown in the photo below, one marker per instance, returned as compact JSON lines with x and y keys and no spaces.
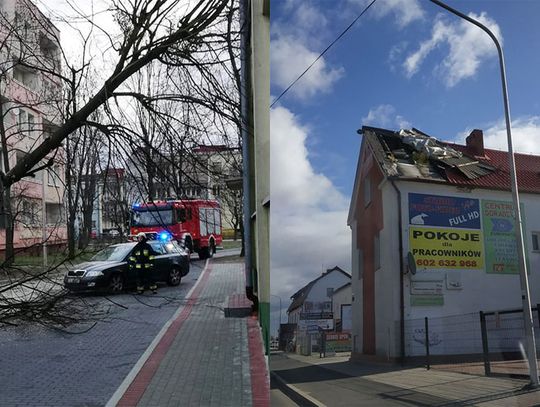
{"x":137,"y":387}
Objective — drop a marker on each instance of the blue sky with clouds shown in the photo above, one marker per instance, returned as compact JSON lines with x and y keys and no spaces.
{"x":405,"y":63}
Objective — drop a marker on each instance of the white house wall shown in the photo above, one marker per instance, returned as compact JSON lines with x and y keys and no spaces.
{"x":318,"y":295}
{"x":343,"y":296}
{"x":387,"y":278}
{"x":480,"y":290}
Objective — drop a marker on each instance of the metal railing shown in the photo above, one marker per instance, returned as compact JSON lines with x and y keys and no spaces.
{"x":480,"y":343}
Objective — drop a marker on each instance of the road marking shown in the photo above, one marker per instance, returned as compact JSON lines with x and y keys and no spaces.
{"x":134,"y":385}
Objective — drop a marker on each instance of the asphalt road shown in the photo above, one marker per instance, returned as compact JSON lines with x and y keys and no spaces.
{"x":278,"y":399}
{"x":84,"y":363}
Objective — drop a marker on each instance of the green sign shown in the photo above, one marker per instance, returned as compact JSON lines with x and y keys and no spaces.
{"x":426,"y":300}
{"x":500,"y":237}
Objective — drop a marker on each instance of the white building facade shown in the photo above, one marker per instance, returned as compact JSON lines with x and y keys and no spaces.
{"x":438,"y":244}
{"x":311,"y":306}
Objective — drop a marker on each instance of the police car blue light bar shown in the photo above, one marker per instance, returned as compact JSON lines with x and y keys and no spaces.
{"x":164,"y":236}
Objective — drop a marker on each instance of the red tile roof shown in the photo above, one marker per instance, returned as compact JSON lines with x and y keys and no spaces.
{"x":527,"y":168}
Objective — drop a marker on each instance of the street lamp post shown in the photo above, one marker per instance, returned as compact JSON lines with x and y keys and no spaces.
{"x":525,"y":292}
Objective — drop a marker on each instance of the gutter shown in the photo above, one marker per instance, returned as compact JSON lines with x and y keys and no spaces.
{"x":246,"y":113}
{"x":401,"y":278}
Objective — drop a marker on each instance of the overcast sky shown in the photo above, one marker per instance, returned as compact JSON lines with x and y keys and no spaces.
{"x":406,"y":63}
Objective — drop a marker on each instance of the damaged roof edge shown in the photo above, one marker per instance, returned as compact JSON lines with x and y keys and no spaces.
{"x":412,"y":154}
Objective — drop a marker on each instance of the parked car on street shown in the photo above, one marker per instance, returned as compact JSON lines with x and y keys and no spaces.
{"x":108,"y":269}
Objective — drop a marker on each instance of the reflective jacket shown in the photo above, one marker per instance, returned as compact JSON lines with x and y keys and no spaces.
{"x":142,"y":257}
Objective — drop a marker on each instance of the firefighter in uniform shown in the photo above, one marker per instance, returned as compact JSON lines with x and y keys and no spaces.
{"x":141,"y":261}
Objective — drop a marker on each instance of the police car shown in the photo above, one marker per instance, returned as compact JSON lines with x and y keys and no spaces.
{"x":108,"y":269}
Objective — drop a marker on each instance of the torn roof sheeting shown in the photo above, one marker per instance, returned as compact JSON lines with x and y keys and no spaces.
{"x":413,"y":154}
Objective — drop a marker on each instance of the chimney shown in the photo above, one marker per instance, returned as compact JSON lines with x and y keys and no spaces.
{"x":475,"y":143}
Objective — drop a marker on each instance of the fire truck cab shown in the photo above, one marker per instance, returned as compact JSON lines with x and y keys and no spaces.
{"x":194,"y":223}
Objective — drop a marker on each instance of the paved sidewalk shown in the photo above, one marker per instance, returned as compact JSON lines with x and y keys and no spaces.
{"x":338,"y":382}
{"x":202,"y":358}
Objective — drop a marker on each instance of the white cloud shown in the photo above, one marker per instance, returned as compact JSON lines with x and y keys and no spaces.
{"x":295,"y":43}
{"x":468,"y":47}
{"x":289,"y":58}
{"x":309,"y":229}
{"x":525,"y":135}
{"x":385,"y":116}
{"x":405,"y":12}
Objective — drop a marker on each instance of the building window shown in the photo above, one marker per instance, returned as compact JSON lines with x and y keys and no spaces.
{"x":329,"y":292}
{"x":23,"y":76}
{"x":367,"y":191}
{"x":31,"y":125}
{"x":536,"y":241}
{"x":21,"y":120}
{"x":30,"y":213}
{"x":54,"y":213}
{"x":376,"y":252}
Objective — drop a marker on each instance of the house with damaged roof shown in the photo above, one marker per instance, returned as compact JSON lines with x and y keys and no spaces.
{"x":433,"y":235}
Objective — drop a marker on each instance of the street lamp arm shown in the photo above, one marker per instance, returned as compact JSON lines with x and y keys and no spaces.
{"x":502,"y":66}
{"x":471,"y":20}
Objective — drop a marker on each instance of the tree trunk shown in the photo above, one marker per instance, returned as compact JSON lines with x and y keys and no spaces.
{"x":5,"y":206}
{"x":9,"y":254}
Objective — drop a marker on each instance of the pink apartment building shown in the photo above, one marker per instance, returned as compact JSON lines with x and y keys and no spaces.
{"x":31,"y":98}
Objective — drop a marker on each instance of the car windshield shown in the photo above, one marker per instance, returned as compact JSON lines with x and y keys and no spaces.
{"x":152,"y":218}
{"x":172,"y":247}
{"x":113,"y":253}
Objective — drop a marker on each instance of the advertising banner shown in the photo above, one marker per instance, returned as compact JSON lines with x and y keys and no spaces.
{"x":444,"y":211}
{"x":500,"y":237}
{"x":436,"y":248}
{"x":337,"y":342}
{"x":426,"y":300}
{"x":315,"y":324}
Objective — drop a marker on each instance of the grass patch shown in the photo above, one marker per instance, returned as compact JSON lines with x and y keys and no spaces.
{"x":231,"y":244}
{"x":52,"y":258}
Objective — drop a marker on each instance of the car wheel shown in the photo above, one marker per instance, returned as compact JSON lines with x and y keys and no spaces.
{"x":175,"y":276}
{"x":116,"y":284}
{"x":211,"y":249}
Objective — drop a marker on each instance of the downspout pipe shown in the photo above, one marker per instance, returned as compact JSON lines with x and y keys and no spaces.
{"x":246,"y":114}
{"x":401,"y":278}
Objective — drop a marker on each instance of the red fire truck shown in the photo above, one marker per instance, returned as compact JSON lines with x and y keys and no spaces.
{"x":194,"y":223}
